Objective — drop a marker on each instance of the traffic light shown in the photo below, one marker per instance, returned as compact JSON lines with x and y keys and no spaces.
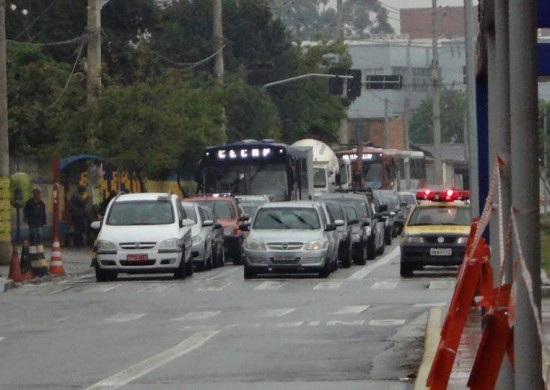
{"x":355,"y":84}
{"x":336,"y":84}
{"x":384,"y":81}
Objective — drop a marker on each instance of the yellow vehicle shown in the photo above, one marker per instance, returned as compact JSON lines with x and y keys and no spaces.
{"x":436,"y":231}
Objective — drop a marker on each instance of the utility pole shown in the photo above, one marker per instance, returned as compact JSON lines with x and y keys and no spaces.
{"x":93,"y":60}
{"x":436,"y":84}
{"x":218,"y":47}
{"x":386,"y":129}
{"x":339,"y":21}
{"x":5,"y":207}
{"x":409,"y":96}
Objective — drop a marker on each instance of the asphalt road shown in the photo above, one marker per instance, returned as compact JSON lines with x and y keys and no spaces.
{"x":362,"y":328}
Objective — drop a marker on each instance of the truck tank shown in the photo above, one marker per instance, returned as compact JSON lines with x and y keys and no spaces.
{"x":325,"y":165}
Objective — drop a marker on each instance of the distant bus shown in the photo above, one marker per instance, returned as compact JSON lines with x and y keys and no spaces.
{"x":387,"y":169}
{"x":252,"y":167}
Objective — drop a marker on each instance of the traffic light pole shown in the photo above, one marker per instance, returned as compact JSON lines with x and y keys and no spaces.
{"x":307,"y":75}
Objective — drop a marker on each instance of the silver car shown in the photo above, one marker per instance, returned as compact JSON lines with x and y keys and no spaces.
{"x":204,"y":235}
{"x":289,"y":237}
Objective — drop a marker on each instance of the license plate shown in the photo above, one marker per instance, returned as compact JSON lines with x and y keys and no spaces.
{"x":283,"y":258}
{"x":136,"y":257}
{"x":441,"y":251}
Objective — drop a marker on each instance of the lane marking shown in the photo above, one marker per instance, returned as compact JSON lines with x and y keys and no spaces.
{"x":269,"y":286}
{"x":277,"y":312}
{"x":122,"y":317}
{"x":221,"y":275}
{"x":384,"y":285}
{"x":442,"y":284}
{"x":337,"y":322}
{"x":126,"y":376}
{"x":386,"y":322}
{"x":352,"y":310}
{"x":214,"y":287}
{"x":438,"y":304}
{"x":327,"y":286}
{"x":100,"y":288}
{"x":367,"y":269}
{"x":197,"y":315}
{"x":156,"y":287}
{"x":294,"y":324}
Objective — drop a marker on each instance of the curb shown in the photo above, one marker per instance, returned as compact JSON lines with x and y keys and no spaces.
{"x":431,"y":341}
{"x":10,"y":284}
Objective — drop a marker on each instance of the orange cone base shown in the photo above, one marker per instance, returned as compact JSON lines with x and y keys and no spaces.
{"x":56,"y":263}
{"x":15,"y":273}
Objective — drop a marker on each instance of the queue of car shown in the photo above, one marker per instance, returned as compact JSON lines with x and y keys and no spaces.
{"x":158,"y":232}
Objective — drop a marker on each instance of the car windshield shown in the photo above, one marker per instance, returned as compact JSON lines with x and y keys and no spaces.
{"x":250,"y":208}
{"x":144,"y":212}
{"x":440,"y":215}
{"x":190,"y":212}
{"x":410,"y":199}
{"x":287,"y":218}
{"x":220,"y":208}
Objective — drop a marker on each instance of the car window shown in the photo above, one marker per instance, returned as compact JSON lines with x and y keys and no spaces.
{"x":440,"y":216}
{"x":351,"y":213}
{"x":335,"y":211}
{"x":220,"y":208}
{"x":204,"y":214}
{"x":287,"y":218}
{"x":190,"y":212}
{"x":153,"y":212}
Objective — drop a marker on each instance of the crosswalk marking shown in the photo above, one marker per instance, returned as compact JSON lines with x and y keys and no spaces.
{"x":327,"y":286}
{"x":352,"y":309}
{"x":277,"y":312}
{"x":367,"y":269}
{"x":437,"y":304}
{"x":198,"y":315}
{"x":384,"y":285}
{"x":269,"y":286}
{"x":100,"y":288}
{"x":294,"y":324}
{"x":122,"y":317}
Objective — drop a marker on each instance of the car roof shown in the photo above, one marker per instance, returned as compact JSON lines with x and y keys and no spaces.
{"x":291,"y":204}
{"x":144,"y":196}
{"x":343,"y":195}
{"x":199,"y":197}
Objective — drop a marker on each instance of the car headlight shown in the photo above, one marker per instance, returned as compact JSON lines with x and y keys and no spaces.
{"x":171,"y":243}
{"x":254,"y":245}
{"x":462,"y":240}
{"x":103,"y":245}
{"x":197,"y":238}
{"x":413,"y":240}
{"x":315,"y":245}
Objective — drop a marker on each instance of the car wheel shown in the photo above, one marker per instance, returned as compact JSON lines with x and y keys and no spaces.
{"x":180,"y":273}
{"x":371,"y":249}
{"x":387,"y":237}
{"x":222,"y":259}
{"x":362,"y":259}
{"x":325,"y":271}
{"x":208,"y":262}
{"x":249,"y":273}
{"x":405,"y":270}
{"x":348,"y":258}
{"x":104,"y":276}
{"x":189,"y":267}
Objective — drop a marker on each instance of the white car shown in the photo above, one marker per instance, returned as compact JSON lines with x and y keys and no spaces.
{"x":144,"y":233}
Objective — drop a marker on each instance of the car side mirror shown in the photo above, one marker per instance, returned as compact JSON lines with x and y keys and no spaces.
{"x":244,"y":217}
{"x":217,"y":226}
{"x":330,"y":227}
{"x":382,"y":208}
{"x":353,"y":221}
{"x":365,"y":223}
{"x":339,"y":222}
{"x":208,"y":222}
{"x":95,"y":225}
{"x":186,"y":222}
{"x":244,"y":227}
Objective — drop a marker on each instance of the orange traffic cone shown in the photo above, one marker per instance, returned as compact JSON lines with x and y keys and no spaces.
{"x":15,"y":273}
{"x":56,"y":263}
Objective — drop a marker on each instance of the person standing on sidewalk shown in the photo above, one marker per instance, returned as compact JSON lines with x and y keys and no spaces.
{"x":79,"y":201}
{"x":34,"y":214}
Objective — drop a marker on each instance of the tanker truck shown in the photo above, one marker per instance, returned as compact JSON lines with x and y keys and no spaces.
{"x":325,"y":166}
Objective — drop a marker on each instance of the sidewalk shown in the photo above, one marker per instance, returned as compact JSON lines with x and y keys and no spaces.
{"x":469,"y":342}
{"x":76,"y":261}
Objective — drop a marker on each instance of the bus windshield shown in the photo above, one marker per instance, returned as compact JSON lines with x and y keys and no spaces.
{"x":372,"y":174}
{"x":319,"y":177}
{"x":244,"y":178}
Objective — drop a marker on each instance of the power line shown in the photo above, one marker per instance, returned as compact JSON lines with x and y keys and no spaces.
{"x":69,"y":78}
{"x":27,"y":27}
{"x":81,"y":38}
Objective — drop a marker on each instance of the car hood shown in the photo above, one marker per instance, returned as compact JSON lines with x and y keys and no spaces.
{"x":141,"y":233}
{"x":286,"y":235}
{"x":438,"y":229}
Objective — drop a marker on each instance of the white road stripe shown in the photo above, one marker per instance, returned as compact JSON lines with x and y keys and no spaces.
{"x":367,"y":269}
{"x":277,"y":312}
{"x":327,"y":286}
{"x":384,"y":285}
{"x":386,"y":322}
{"x":120,"y":318}
{"x":100,"y":288}
{"x":352,"y":309}
{"x":269,"y":286}
{"x":197,"y":315}
{"x":156,"y":287}
{"x":438,"y":304}
{"x":126,"y":376}
{"x":218,"y":287}
{"x":442,"y":284}
{"x":222,"y":275}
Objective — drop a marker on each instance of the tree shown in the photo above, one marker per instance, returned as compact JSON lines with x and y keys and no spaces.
{"x":452,"y":108}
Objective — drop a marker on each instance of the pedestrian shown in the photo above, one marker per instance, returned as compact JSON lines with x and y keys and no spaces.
{"x":34,"y":214}
{"x":105,"y":203}
{"x":79,"y":201}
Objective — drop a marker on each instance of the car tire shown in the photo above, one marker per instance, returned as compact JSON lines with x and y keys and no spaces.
{"x":189,"y":268}
{"x":371,"y":249}
{"x":387,"y":236}
{"x":103,"y":275}
{"x":325,"y":271}
{"x":181,"y":272}
{"x":348,"y":258}
{"x":249,"y":273}
{"x":221,"y":261}
{"x":208,"y":262}
{"x":362,"y":260}
{"x":405,"y":270}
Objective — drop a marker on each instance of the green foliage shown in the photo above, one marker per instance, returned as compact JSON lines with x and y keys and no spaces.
{"x":452,"y":110}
